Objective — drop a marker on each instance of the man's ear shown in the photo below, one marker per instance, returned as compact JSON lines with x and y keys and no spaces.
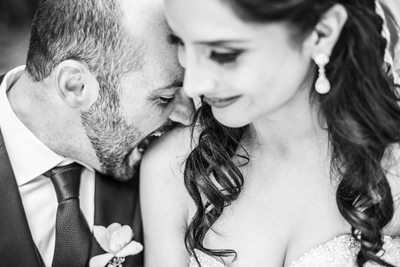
{"x":75,"y":84}
{"x":327,"y":31}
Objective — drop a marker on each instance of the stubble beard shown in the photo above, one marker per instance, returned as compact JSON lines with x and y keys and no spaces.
{"x":112,"y":138}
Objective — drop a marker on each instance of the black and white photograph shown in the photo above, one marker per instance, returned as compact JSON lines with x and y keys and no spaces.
{"x":200,"y":133}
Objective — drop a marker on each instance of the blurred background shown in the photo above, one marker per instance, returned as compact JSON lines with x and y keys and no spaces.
{"x":16,"y":17}
{"x":15,"y":20}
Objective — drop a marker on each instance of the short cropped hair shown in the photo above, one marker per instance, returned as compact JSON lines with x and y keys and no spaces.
{"x":89,"y":31}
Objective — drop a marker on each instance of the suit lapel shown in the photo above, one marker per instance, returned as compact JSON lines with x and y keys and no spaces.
{"x":16,"y":246}
{"x":114,"y":202}
{"x":118,"y":202}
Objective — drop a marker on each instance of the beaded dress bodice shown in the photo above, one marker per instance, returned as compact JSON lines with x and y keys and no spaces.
{"x":340,"y":251}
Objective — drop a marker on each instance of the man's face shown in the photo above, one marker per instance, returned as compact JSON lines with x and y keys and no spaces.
{"x":142,"y":100}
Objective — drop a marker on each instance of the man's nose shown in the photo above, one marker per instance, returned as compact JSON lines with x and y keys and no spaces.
{"x":183,"y":111}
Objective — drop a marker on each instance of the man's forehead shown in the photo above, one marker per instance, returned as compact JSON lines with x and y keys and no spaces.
{"x":145,"y":18}
{"x":139,"y":10}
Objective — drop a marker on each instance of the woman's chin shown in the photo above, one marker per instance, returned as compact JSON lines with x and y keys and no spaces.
{"x":228,"y":119}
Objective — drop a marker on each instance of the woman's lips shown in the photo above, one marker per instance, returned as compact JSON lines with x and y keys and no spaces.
{"x":221,"y":102}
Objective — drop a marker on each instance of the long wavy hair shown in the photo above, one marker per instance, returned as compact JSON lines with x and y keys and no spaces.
{"x":362,"y":115}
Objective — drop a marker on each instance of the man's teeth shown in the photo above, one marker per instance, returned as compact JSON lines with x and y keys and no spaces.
{"x":135,"y":157}
{"x":156,"y":134}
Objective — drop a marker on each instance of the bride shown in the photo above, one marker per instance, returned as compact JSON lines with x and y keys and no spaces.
{"x":294,"y":156}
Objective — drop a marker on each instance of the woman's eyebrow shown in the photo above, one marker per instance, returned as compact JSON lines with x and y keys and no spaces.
{"x":221,"y":42}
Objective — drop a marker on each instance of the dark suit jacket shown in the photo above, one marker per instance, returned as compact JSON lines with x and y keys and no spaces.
{"x":114,"y":202}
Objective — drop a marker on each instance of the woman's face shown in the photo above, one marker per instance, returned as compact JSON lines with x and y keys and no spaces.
{"x":245,"y":71}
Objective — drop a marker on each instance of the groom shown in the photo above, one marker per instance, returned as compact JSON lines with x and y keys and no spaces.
{"x":100,"y":76}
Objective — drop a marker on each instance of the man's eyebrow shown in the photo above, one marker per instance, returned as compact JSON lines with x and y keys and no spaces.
{"x":173,"y":86}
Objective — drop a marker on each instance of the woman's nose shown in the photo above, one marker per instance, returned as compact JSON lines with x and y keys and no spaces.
{"x":198,"y":80}
{"x":198,"y":87}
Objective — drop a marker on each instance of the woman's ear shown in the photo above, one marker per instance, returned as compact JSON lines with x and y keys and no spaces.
{"x":327,"y":31}
{"x":75,"y":84}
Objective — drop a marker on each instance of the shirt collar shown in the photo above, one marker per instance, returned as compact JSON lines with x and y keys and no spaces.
{"x":29,"y":157}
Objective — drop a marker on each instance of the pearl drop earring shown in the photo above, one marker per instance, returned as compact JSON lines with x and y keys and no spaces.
{"x":322,"y":85}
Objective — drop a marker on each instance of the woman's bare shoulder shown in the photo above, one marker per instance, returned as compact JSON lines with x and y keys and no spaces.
{"x":163,"y":164}
{"x":169,"y":152}
{"x":165,"y":203}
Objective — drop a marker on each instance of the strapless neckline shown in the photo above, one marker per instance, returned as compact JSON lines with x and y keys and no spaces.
{"x":338,"y":251}
{"x":349,"y":247}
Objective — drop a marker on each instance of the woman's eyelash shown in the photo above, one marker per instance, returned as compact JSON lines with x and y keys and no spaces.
{"x":219,"y":57}
{"x":226,"y":57}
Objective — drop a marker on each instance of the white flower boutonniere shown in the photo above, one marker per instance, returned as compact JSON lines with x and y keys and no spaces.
{"x":117,"y":241}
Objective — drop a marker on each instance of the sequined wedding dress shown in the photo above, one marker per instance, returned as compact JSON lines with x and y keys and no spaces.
{"x":338,"y":252}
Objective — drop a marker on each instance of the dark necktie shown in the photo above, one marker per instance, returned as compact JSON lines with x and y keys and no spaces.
{"x":72,"y":232}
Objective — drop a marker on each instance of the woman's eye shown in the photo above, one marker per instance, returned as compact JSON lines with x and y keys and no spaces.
{"x":166,"y":100}
{"x":224,"y":58}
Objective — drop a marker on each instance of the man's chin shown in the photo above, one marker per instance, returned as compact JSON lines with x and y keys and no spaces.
{"x":124,"y":173}
{"x":129,"y":167}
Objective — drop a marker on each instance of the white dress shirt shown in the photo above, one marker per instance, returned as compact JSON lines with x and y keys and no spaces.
{"x":30,"y":158}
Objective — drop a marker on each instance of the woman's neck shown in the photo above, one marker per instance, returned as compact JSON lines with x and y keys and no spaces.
{"x":293,"y":128}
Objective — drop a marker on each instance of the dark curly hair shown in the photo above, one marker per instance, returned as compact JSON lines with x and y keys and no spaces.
{"x":362,"y":117}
